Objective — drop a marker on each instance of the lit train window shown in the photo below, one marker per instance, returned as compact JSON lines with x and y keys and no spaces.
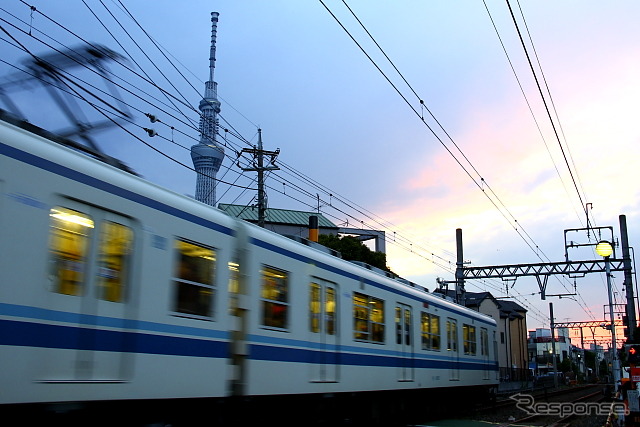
{"x":274,"y":297}
{"x":430,"y":331}
{"x":234,"y":287}
{"x":484,"y":342}
{"x":368,"y":318}
{"x":316,"y":307}
{"x":330,"y":311}
{"x":113,"y":260}
{"x":194,"y":279}
{"x":469,"y":339}
{"x":69,"y":246}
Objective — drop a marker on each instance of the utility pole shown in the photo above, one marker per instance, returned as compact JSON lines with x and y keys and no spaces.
{"x":258,"y":166}
{"x":628,"y":280}
{"x":460,"y":292}
{"x":553,"y":346}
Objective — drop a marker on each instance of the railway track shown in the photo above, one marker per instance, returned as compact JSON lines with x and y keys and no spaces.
{"x":582,"y":406}
{"x":560,"y":413}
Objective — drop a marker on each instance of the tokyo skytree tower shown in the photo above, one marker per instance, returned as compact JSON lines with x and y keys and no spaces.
{"x":207,"y":155}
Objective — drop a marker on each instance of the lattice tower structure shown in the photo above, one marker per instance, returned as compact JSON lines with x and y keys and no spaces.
{"x":207,"y":155}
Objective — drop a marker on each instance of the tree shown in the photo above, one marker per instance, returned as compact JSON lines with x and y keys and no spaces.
{"x":565,"y":365}
{"x":353,"y":249}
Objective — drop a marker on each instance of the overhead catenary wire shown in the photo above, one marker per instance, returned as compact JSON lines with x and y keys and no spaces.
{"x":553,"y":105}
{"x":546,"y":106}
{"x":504,"y":49}
{"x":517,"y":227}
{"x":531,"y":112}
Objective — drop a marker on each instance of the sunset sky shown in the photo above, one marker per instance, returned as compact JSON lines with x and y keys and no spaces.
{"x":494,"y":169}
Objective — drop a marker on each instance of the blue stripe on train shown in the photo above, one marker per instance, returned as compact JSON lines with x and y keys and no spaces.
{"x":287,"y":354}
{"x":28,"y":334}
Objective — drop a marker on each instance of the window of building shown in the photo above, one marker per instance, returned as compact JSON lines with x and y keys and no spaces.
{"x":69,"y":247}
{"x":501,"y":337}
{"x":113,"y":261}
{"x":368,"y":318}
{"x":274,"y":296}
{"x":430,"y":331}
{"x":484,"y":342}
{"x":194,"y":279}
{"x":469,"y":339}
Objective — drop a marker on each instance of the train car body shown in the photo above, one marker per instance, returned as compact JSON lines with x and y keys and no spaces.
{"x":114,"y":289}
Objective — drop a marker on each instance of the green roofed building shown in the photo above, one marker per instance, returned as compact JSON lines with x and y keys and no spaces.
{"x":296,"y":223}
{"x":282,"y":221}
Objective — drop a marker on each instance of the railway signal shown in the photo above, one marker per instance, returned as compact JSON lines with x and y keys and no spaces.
{"x":633,"y":353}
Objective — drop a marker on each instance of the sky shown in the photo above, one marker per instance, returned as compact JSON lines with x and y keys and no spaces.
{"x":479,"y":153}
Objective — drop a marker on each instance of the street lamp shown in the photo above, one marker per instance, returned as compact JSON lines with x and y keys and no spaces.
{"x":604,"y":249}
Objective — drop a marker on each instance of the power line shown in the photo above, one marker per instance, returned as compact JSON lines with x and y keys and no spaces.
{"x":555,"y":131}
{"x":359,"y":45}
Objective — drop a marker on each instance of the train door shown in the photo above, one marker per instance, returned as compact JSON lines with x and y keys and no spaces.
{"x":495,"y":355}
{"x":452,"y":349}
{"x":323,"y":330}
{"x":404,"y":342}
{"x":484,"y":350}
{"x":89,"y":293}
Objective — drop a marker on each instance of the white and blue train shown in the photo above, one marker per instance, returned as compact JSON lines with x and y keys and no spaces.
{"x":113,"y":289}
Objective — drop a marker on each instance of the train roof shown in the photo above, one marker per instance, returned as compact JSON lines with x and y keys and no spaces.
{"x":82,"y":148}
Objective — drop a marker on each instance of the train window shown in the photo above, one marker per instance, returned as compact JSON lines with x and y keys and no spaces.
{"x":274,"y":297}
{"x":469,"y":339}
{"x":194,"y":279}
{"x":430,"y":331}
{"x":484,"y":342}
{"x":368,"y":318}
{"x":113,"y":260}
{"x":330,"y":310}
{"x":316,"y":306}
{"x":69,"y":246}
{"x":234,"y":287}
{"x":452,"y":335}
{"x":403,"y":325}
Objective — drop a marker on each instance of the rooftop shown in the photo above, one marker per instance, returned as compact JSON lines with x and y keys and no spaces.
{"x":276,"y":216}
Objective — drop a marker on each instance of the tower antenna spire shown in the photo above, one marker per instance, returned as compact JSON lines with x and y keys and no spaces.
{"x":207,"y":155}
{"x":212,"y":51}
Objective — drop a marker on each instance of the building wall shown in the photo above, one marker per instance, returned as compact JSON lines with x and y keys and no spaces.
{"x":540,"y":345}
{"x":489,"y":307}
{"x":518,"y":338}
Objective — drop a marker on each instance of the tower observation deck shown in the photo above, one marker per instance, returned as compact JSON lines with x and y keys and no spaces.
{"x":207,"y":155}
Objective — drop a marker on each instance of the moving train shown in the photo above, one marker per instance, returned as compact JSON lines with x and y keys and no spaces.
{"x":115,"y":291}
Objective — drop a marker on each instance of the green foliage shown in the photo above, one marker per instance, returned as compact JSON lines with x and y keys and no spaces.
{"x":353,"y":249}
{"x":590,"y":359}
{"x":565,"y":365}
